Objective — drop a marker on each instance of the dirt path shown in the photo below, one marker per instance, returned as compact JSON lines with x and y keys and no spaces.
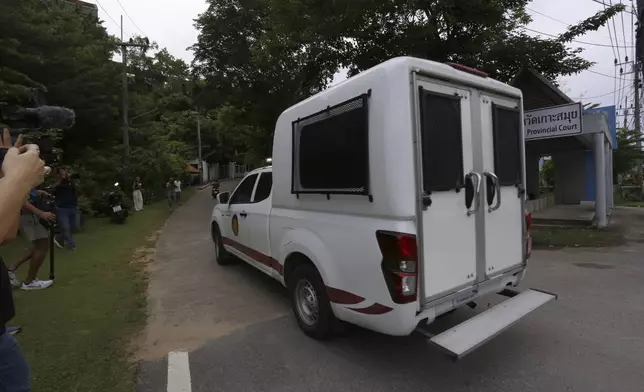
{"x":190,"y":298}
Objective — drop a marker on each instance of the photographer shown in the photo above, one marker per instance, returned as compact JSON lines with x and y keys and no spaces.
{"x":22,"y":170}
{"x":66,"y":193}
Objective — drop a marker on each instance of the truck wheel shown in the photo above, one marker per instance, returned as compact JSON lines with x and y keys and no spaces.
{"x":219,"y":253}
{"x":310,"y":303}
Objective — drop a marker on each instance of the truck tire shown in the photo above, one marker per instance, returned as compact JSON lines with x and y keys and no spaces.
{"x":219,"y":253}
{"x":310,"y":303}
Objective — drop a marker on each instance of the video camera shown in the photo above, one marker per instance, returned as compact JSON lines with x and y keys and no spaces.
{"x":27,"y":121}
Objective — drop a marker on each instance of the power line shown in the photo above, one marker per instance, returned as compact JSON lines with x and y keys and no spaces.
{"x":606,"y":75}
{"x":619,"y":56}
{"x":621,"y":14}
{"x":570,"y":24}
{"x":129,"y":17}
{"x":577,"y":41}
{"x":108,"y":14}
{"x":596,"y":96}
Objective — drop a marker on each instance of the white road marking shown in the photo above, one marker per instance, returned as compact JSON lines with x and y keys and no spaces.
{"x":179,"y":372}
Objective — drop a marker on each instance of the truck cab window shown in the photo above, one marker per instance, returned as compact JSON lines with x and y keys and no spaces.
{"x":264,"y":187}
{"x":245,"y":190}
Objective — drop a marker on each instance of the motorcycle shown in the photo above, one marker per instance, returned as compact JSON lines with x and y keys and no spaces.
{"x":215,"y":189}
{"x":118,"y":212}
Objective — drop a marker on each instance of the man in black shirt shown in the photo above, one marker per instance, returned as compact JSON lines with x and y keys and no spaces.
{"x":66,"y":194}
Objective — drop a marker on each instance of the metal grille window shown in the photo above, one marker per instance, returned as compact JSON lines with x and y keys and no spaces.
{"x":331,"y":150}
{"x":442,"y":141}
{"x":507,"y":144}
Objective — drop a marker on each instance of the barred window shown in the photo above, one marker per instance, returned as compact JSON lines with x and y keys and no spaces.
{"x":442,"y":141}
{"x":507,"y":144}
{"x":331,"y":150}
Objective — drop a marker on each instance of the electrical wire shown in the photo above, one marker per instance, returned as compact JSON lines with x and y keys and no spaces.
{"x":108,"y":14}
{"x":132,"y":20}
{"x":619,"y":56}
{"x":577,"y":41}
{"x":621,"y":14}
{"x":606,"y":75}
{"x":570,"y":24}
{"x":596,"y":96}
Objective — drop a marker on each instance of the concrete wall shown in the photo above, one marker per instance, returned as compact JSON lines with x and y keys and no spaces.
{"x":570,"y":177}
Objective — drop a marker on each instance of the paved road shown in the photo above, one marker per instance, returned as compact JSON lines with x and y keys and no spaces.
{"x":591,"y":339}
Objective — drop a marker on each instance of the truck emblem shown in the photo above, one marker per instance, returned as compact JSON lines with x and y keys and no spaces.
{"x":235,"y":225}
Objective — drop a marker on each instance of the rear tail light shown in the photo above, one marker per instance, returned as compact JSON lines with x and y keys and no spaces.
{"x":528,"y":236}
{"x":399,"y":265}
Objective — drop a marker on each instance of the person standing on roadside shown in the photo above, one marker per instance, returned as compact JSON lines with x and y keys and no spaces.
{"x":177,"y":190}
{"x":22,"y":170}
{"x":66,"y":194}
{"x":137,"y":195}
{"x":169,"y":192}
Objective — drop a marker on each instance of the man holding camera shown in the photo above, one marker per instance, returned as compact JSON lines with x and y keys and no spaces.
{"x":22,"y":170}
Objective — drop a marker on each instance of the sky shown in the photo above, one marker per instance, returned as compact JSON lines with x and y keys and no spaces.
{"x":171,"y":24}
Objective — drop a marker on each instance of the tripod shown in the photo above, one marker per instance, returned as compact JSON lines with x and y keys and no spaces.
{"x":52,"y":233}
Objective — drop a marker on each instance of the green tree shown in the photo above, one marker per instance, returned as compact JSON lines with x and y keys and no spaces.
{"x":261,"y":56}
{"x":627,"y":154}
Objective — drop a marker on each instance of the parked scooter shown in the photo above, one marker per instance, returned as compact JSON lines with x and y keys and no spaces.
{"x":215,"y":189}
{"x":118,"y":212}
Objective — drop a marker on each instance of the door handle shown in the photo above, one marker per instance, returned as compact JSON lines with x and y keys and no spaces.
{"x":472,"y":192}
{"x":493,"y":191}
{"x":243,"y":214}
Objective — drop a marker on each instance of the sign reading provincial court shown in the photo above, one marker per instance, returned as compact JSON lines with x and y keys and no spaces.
{"x":554,"y":121}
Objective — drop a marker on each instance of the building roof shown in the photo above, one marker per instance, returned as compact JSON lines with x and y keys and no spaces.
{"x":538,"y":92}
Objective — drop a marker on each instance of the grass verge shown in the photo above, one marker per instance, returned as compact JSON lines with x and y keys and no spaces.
{"x":76,"y":333}
{"x":558,"y":237}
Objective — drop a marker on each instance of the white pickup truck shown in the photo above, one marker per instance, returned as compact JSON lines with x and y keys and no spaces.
{"x":393,"y":197}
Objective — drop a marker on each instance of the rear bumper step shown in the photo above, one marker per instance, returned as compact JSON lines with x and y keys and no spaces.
{"x":470,"y":334}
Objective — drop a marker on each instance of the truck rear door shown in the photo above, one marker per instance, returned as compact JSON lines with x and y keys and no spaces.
{"x":502,"y":142}
{"x":448,"y":182}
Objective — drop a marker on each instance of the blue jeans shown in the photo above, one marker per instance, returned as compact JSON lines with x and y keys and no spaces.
{"x":66,"y":220}
{"x":14,"y":370}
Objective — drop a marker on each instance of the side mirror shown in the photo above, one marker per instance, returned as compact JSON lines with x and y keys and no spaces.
{"x":223,"y":198}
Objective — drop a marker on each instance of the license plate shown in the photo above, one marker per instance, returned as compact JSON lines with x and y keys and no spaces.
{"x":116,"y":208}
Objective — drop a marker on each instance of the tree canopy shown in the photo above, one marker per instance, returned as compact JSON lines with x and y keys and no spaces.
{"x":261,"y":56}
{"x":68,"y":56}
{"x":252,"y":60}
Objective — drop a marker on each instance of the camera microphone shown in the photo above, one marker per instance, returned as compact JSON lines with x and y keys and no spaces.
{"x":44,"y":117}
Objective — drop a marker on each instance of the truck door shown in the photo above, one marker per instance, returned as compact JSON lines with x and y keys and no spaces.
{"x":236,"y":231}
{"x":257,"y":223}
{"x":448,"y":182}
{"x":503,"y":192}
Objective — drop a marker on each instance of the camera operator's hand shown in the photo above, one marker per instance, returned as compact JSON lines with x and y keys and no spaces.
{"x":22,"y":162}
{"x":48,"y":216}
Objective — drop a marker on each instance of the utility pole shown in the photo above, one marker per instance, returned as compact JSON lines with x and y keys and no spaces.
{"x":199,"y":147}
{"x":626,"y":112}
{"x":126,"y":136}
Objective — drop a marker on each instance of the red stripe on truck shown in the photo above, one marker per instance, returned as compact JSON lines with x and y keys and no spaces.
{"x":337,"y":296}
{"x":255,"y":255}
{"x":342,"y":297}
{"x":373,"y":309}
